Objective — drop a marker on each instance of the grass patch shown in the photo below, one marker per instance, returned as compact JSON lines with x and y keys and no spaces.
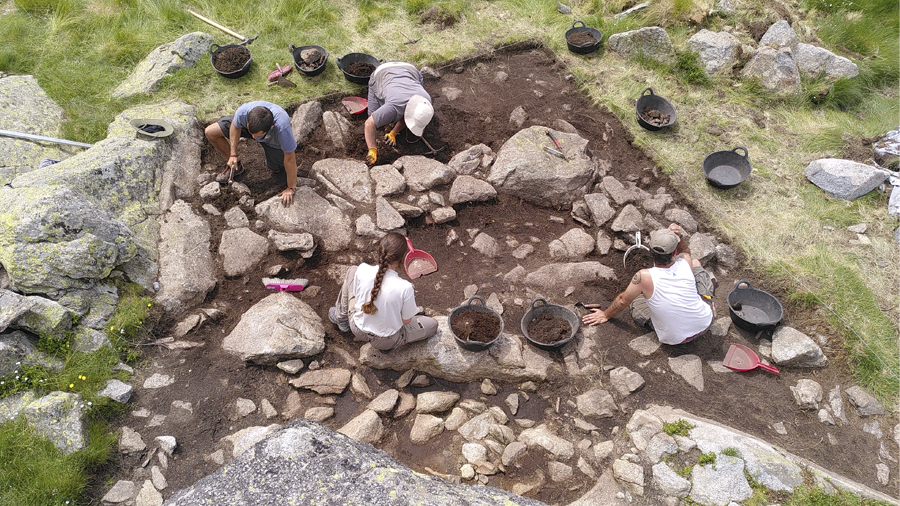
{"x":679,"y":427}
{"x":731,"y":452}
{"x":126,"y":327}
{"x":707,"y":458}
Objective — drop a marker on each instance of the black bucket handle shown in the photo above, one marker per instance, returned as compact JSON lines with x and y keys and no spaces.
{"x":538,"y":299}
{"x":578,"y":21}
{"x":291,"y":48}
{"x":643,"y":93}
{"x":469,"y":303}
{"x":211,"y":50}
{"x":744,"y":155}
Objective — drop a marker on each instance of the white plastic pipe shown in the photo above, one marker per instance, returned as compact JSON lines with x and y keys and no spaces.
{"x":21,"y":135}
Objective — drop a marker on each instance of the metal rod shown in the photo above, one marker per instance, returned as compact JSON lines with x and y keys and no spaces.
{"x":21,"y":135}
{"x":554,"y":152}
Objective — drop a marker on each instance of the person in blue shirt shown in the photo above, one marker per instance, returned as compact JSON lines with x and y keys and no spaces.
{"x":266,"y":123}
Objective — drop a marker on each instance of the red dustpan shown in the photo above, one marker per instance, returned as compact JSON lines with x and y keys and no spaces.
{"x":418,"y":263}
{"x":355,"y":105}
{"x":742,"y":358}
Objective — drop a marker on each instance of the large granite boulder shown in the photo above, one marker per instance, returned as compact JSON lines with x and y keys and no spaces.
{"x":279,"y":327}
{"x":17,"y":350}
{"x":508,"y":359}
{"x":780,"y":35}
{"x":33,"y":313}
{"x":813,"y":61}
{"x":54,"y":238}
{"x":348,"y":178}
{"x":775,"y":69}
{"x":345,"y":471}
{"x":550,"y":276}
{"x":186,"y":269}
{"x":56,"y":416}
{"x":422,"y":173}
{"x":166,"y":59}
{"x":652,"y":42}
{"x":523,"y":169}
{"x":718,"y":51}
{"x":26,"y":108}
{"x":309,"y":213}
{"x":845,"y":179}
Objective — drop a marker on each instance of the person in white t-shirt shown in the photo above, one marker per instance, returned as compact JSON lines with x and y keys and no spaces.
{"x":673,"y":298}
{"x":377,"y":305}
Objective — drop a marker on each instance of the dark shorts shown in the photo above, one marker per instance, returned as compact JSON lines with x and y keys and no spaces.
{"x":274,"y":156}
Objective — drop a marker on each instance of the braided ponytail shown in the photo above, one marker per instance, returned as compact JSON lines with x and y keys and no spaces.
{"x":391,"y":249}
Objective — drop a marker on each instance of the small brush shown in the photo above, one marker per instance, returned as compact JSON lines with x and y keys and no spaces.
{"x":285,"y":285}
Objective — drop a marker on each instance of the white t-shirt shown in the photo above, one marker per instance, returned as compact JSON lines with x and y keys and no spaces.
{"x":396,"y":301}
{"x":676,"y":309}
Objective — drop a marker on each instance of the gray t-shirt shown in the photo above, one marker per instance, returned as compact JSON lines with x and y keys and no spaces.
{"x":280,"y":136}
{"x":390,"y":88}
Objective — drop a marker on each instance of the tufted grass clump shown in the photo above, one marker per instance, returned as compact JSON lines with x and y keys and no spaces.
{"x":707,"y":458}
{"x":731,"y":452}
{"x":679,"y":427}
{"x":126,"y":327}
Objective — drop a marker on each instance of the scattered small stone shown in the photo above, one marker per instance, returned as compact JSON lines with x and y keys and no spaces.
{"x":779,"y":428}
{"x":873,"y":428}
{"x":488,"y":388}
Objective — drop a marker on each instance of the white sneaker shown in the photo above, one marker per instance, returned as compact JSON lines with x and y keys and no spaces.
{"x":332,"y":315}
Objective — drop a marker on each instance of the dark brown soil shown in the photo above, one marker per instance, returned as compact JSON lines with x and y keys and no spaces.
{"x":360,"y":69}
{"x":475,"y":325}
{"x":581,"y":38}
{"x":549,"y":329}
{"x":211,"y":380}
{"x":231,"y":59}
{"x":655,"y":117}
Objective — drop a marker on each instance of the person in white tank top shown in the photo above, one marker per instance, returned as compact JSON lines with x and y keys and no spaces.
{"x":673,"y":298}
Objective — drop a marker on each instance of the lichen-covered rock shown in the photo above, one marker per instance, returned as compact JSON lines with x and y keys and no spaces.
{"x":346,"y":471}
{"x":54,"y":238}
{"x":166,"y":59}
{"x":780,"y":35}
{"x":652,"y":42}
{"x":775,"y":69}
{"x":844,"y":179}
{"x":718,"y":51}
{"x":350,"y":178}
{"x":812,"y":61}
{"x":18,"y":350}
{"x":26,"y":108}
{"x":33,"y":313}
{"x":524,"y":170}
{"x":56,"y":416}
{"x":186,"y":271}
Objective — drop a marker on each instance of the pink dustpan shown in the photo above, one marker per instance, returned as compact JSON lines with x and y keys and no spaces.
{"x":417,"y":262}
{"x":355,"y":105}
{"x":742,"y":358}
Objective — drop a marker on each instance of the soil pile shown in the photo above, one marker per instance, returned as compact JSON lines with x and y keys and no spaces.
{"x":581,"y":38}
{"x":360,"y":69}
{"x":549,"y":329}
{"x":311,"y":59}
{"x":231,"y":59}
{"x":474,"y":325}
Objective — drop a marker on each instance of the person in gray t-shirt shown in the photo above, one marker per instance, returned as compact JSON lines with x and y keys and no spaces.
{"x":266,"y":123}
{"x":396,"y":96}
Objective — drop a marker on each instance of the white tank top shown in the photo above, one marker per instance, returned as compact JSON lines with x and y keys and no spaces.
{"x":676,"y":308}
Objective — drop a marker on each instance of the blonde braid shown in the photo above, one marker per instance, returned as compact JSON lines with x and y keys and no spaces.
{"x":369,"y":307}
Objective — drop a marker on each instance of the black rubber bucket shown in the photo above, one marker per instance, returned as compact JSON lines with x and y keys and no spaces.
{"x":583,"y":48}
{"x":752,"y":309}
{"x":727,"y":169}
{"x":653,"y":102}
{"x":230,"y":75}
{"x":465,"y":343}
{"x":298,"y":61}
{"x":536,"y":311}
{"x":350,"y":59}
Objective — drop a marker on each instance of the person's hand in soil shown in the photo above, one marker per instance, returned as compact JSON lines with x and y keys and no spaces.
{"x":287,"y":197}
{"x":391,"y":138}
{"x":596,"y":317}
{"x":372,"y":157}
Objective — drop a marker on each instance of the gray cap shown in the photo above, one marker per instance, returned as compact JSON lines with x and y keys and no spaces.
{"x":663,"y":241}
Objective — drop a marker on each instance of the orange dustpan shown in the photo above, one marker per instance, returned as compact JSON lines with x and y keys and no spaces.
{"x":418,"y":263}
{"x":742,"y":358}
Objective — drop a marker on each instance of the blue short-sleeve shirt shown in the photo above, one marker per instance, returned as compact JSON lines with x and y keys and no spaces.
{"x":280,"y":136}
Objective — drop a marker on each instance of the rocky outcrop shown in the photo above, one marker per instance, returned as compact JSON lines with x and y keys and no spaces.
{"x":652,"y":42}
{"x":718,"y":51}
{"x":775,"y":69}
{"x":56,"y":416}
{"x":166,"y":59}
{"x":186,"y":272}
{"x":347,"y":471}
{"x":844,"y":179}
{"x":309,"y":213}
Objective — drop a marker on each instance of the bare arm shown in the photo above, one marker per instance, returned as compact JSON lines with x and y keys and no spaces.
{"x":234,"y":136}
{"x":370,"y":132}
{"x":638,"y":284}
{"x":682,"y":250}
{"x":290,"y":169}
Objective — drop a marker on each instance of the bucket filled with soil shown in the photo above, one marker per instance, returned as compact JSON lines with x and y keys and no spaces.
{"x":475,"y":326}
{"x":583,"y":39}
{"x":310,"y":59}
{"x":653,"y":111}
{"x":231,"y":61}
{"x":549,"y":326}
{"x":358,"y":67}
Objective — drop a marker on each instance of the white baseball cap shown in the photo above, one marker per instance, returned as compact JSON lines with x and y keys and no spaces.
{"x":418,"y":114}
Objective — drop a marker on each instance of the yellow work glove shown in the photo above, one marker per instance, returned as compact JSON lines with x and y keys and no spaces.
{"x":372,"y":157}
{"x":391,"y":138}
